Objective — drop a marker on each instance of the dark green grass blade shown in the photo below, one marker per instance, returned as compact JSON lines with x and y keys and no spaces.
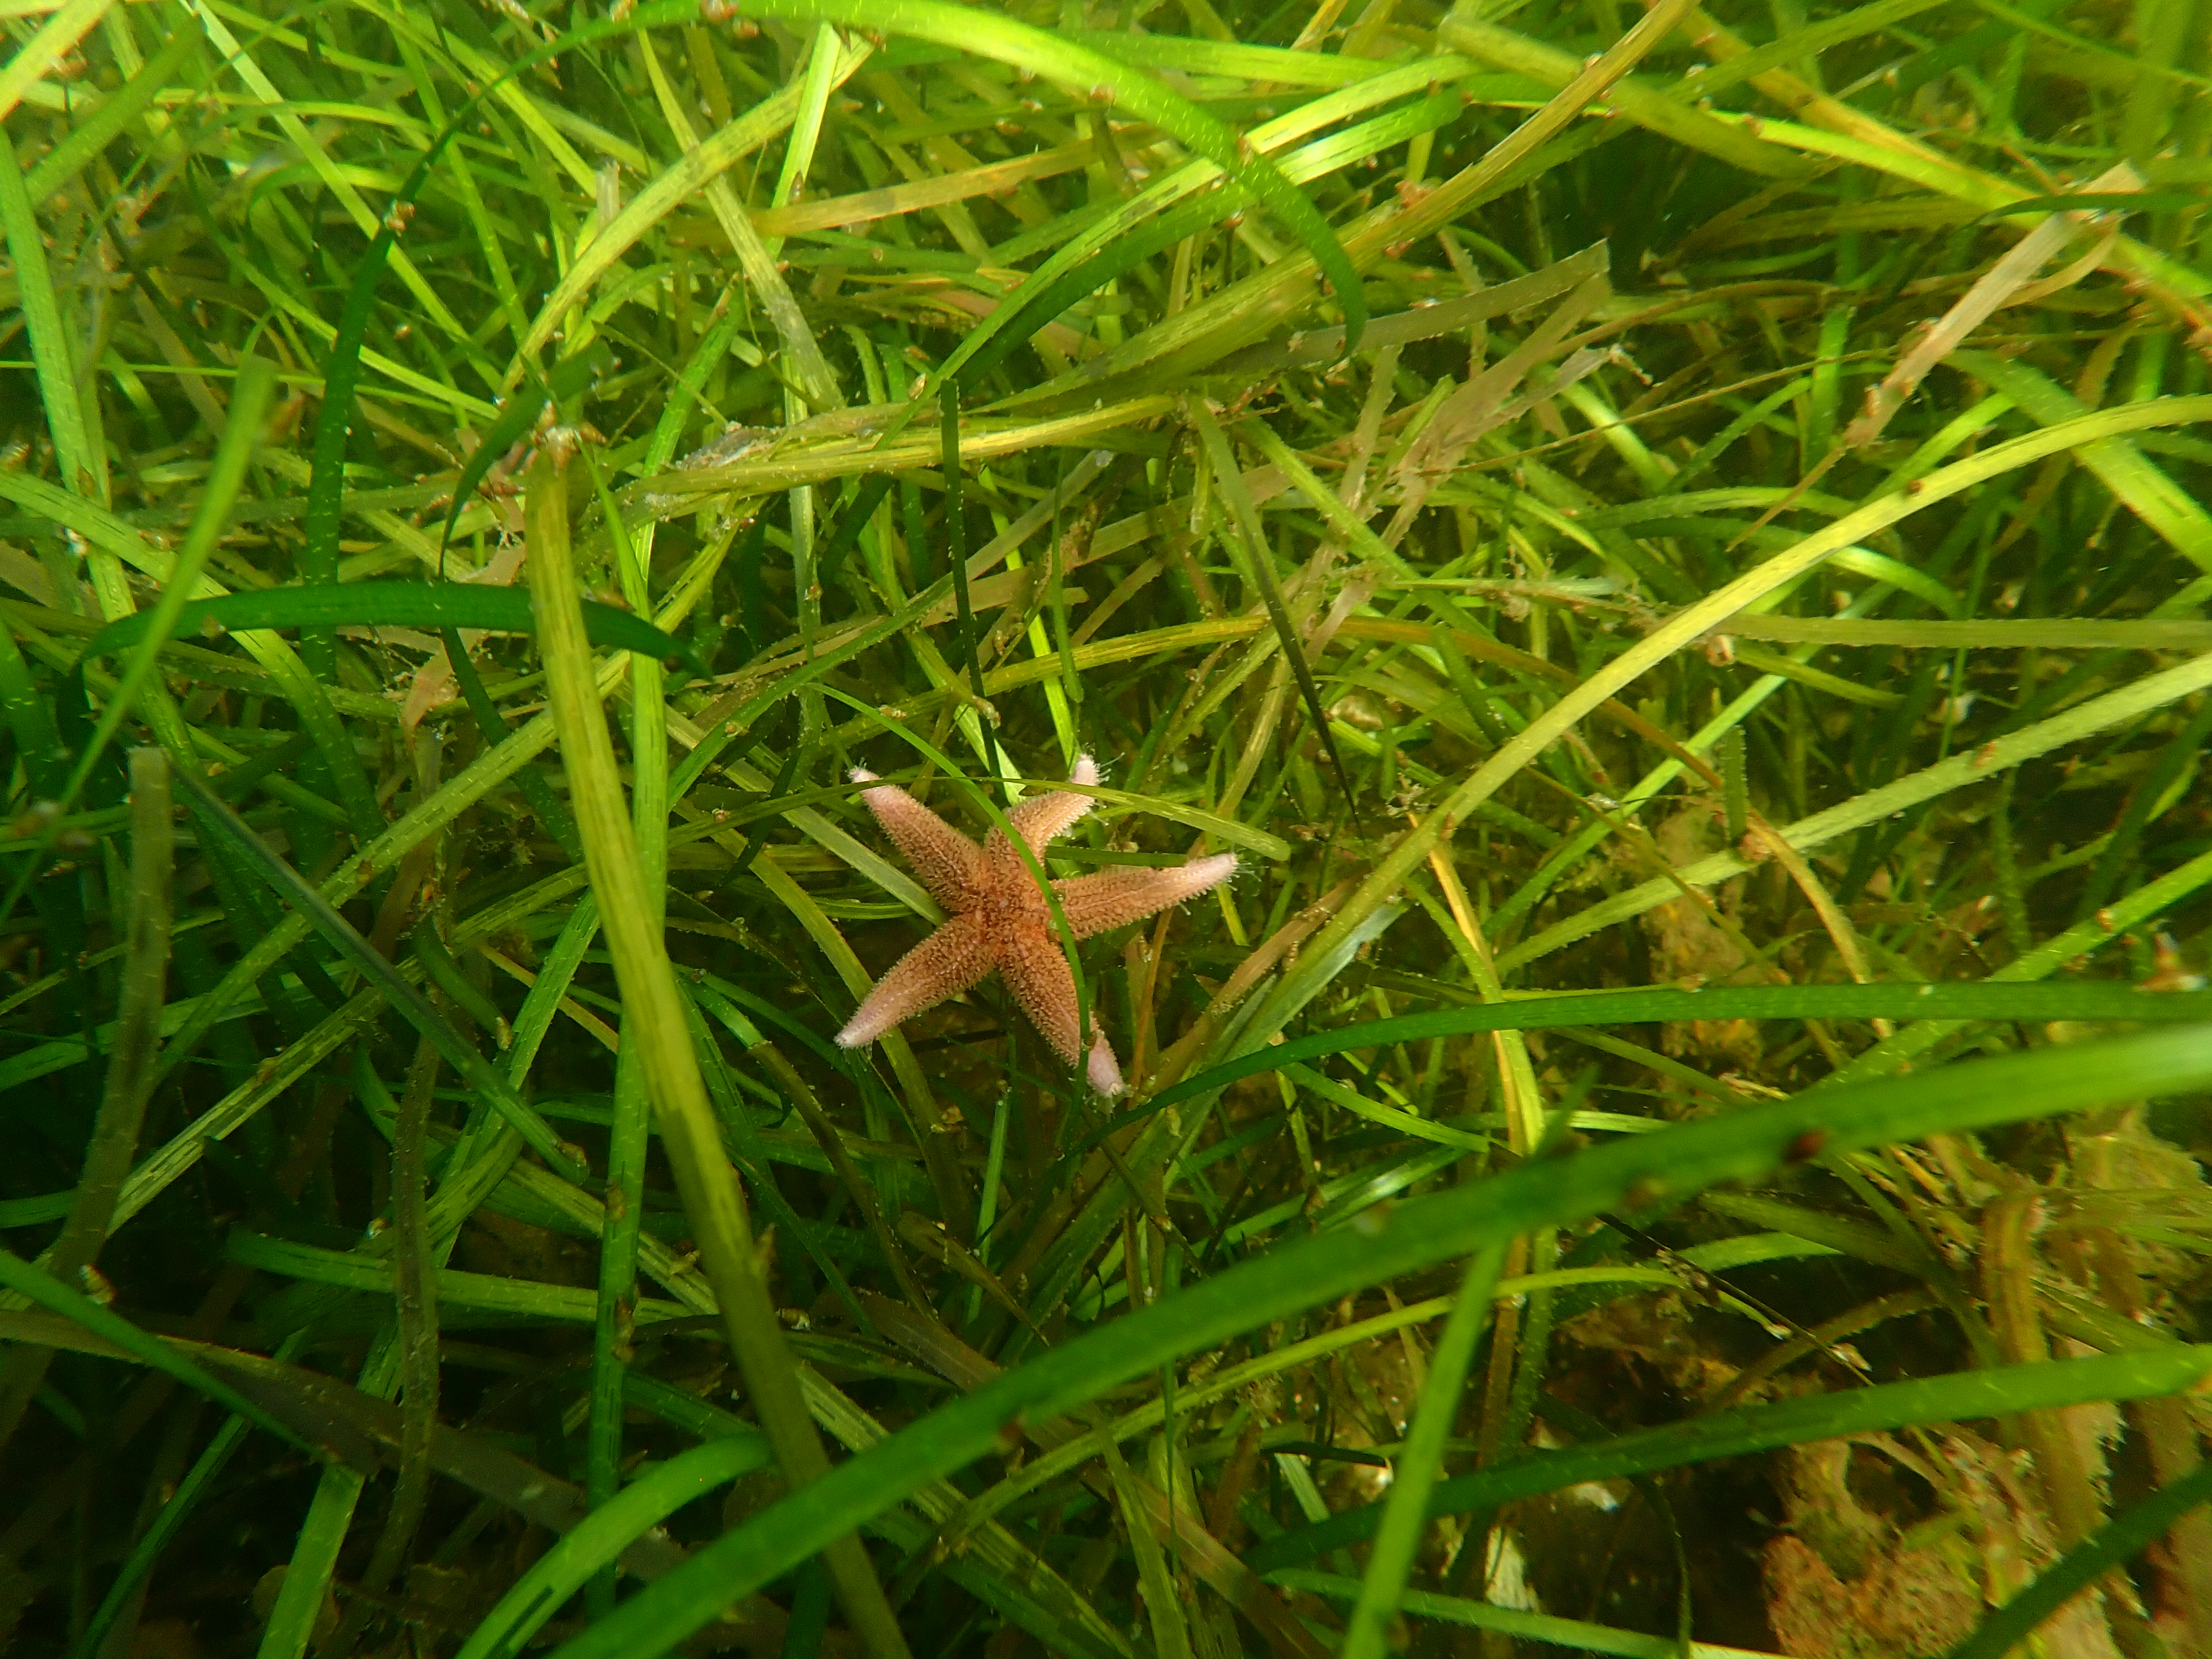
{"x":31,"y":722}
{"x":30,"y":1281}
{"x":1958,"y":1397}
{"x":553,"y":814}
{"x":1039,"y":302}
{"x":2143,"y":201}
{"x":2102,"y":1000}
{"x":149,"y":630}
{"x":1743,"y":1146}
{"x":52,"y":356}
{"x":600,"y":1539}
{"x":956,"y":535}
{"x":847,"y":536}
{"x":460,"y":1052}
{"x":257,"y":379}
{"x":401,"y":604}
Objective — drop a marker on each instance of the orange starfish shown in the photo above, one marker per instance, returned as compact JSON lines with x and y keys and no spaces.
{"x":999,"y":920}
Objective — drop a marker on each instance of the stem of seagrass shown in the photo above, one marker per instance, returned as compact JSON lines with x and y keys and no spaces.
{"x":129,"y":1063}
{"x":627,"y":1138}
{"x":415,"y":1302}
{"x":707,"y":1183}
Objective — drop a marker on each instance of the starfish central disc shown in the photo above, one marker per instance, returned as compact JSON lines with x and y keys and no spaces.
{"x":997,"y":921}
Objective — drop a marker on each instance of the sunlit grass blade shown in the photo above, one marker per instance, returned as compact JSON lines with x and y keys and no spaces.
{"x":1258,"y":568}
{"x":33,"y":58}
{"x":1102,"y":79}
{"x":1575,"y":1635}
{"x":1734,"y":794}
{"x":1977,"y":1000}
{"x":116,"y":112}
{"x":147,"y":631}
{"x":82,"y":471}
{"x":1715,"y":607}
{"x":342,"y":367}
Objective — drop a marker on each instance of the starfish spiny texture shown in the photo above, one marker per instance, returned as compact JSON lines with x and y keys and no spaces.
{"x":999,"y":921}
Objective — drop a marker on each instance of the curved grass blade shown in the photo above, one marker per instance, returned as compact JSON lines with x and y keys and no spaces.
{"x":1711,"y":612}
{"x":1572,"y":1634}
{"x":2130,"y":701}
{"x":182,"y":1502}
{"x":1105,"y":80}
{"x":600,"y":1539}
{"x":1744,"y":1146}
{"x":172,"y":1516}
{"x":1228,"y":831}
{"x":400,"y":605}
{"x":1284,"y":284}
{"x":1958,"y":1396}
{"x":2127,"y":201}
{"x":2119,"y":1541}
{"x":1150,"y":223}
{"x":2147,"y":489}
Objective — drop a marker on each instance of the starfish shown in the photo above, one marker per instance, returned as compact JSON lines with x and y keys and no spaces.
{"x":999,"y":920}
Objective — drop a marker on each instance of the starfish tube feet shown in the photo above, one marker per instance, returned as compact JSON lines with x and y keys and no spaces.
{"x":1041,"y":818}
{"x":1095,"y":904}
{"x":946,"y":861}
{"x":943,"y":965}
{"x":1035,"y":971}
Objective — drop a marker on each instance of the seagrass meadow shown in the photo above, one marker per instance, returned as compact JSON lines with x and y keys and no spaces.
{"x":1669,"y":544}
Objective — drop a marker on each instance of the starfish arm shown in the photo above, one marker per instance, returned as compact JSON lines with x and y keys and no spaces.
{"x":944,"y":964}
{"x":1095,"y":903}
{"x":945,"y":859}
{"x":1041,"y":818}
{"x":1035,"y":970}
